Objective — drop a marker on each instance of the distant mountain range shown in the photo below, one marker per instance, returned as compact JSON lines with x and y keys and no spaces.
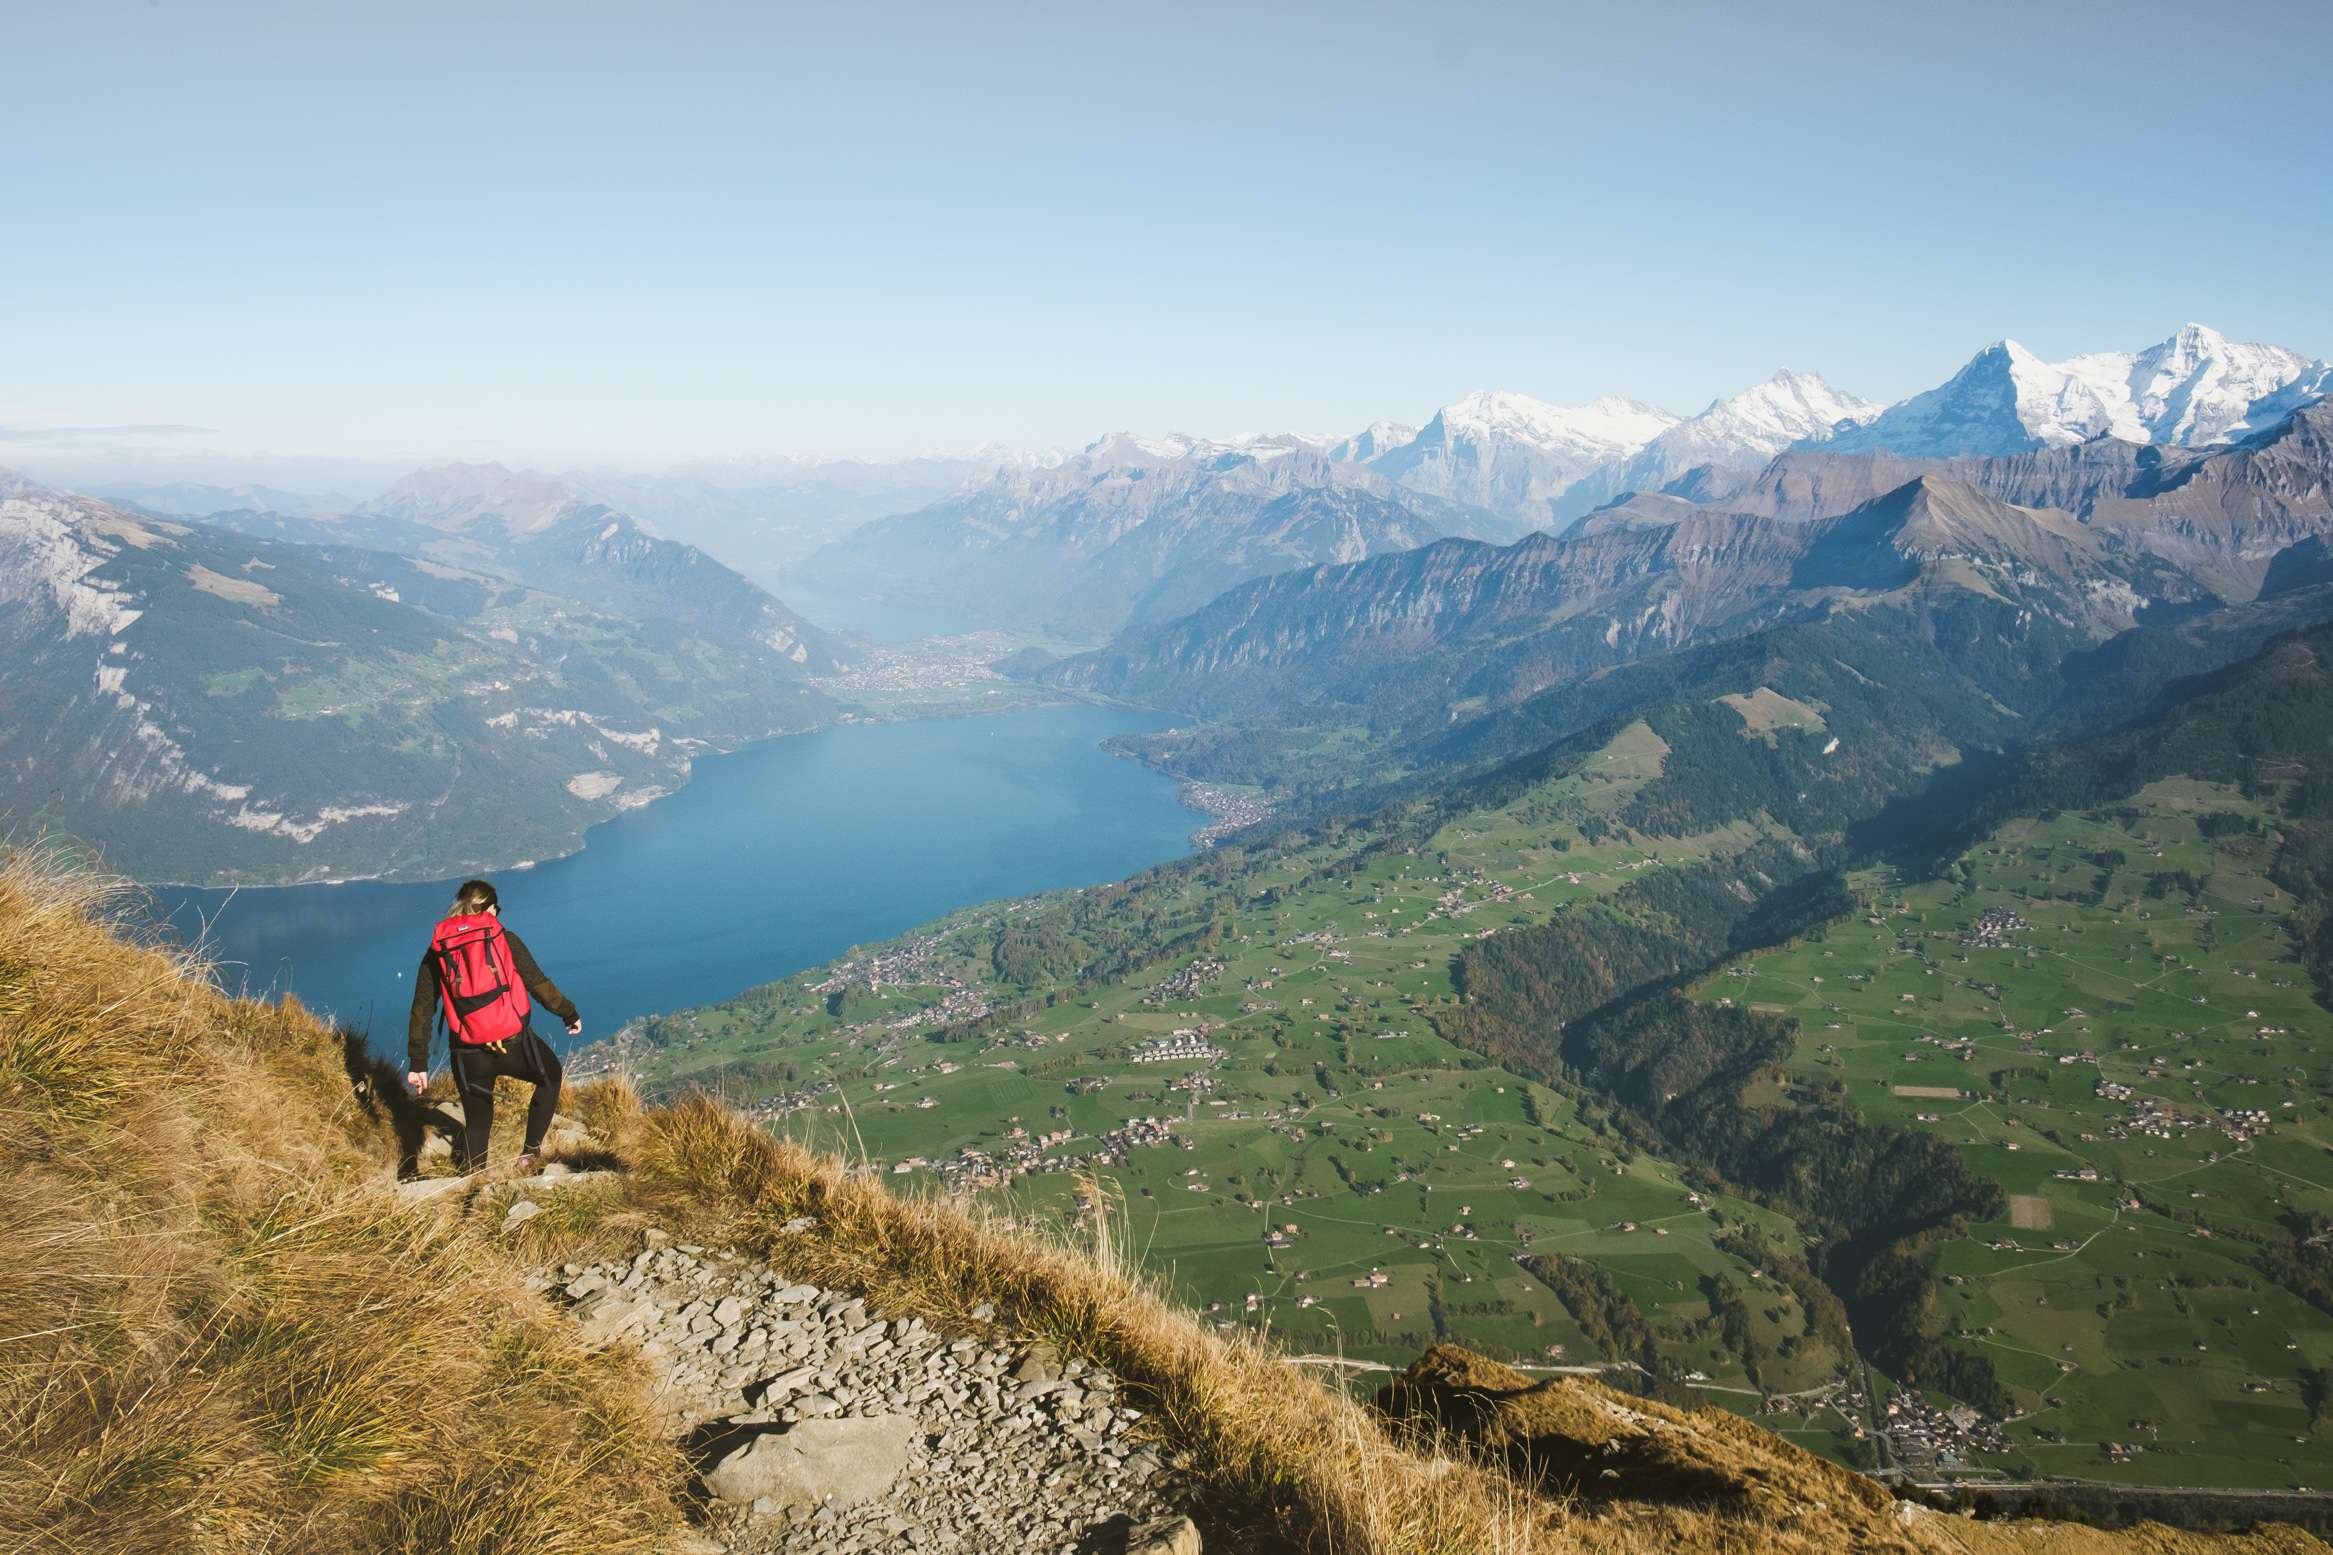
{"x":2073,"y":545}
{"x":760,"y":516}
{"x":1463,"y":625}
{"x":1058,"y":539}
{"x":538,"y":530}
{"x":2194,"y":389}
{"x":1517,"y":455}
{"x":1407,"y":581}
{"x":1136,"y":530}
{"x":217,"y":705}
{"x":2221,"y":513}
{"x":1547,"y":463}
{"x":1695,"y":457}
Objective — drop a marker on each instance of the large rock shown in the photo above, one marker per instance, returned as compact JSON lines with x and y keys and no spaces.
{"x":844,"y":1461}
{"x":1578,"y":1437}
{"x":1167,"y":1536}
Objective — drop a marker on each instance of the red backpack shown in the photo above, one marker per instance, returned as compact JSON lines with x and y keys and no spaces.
{"x":478,"y":985}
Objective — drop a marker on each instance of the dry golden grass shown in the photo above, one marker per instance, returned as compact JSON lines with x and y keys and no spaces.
{"x":216,"y":1333}
{"x":1291,"y":1462}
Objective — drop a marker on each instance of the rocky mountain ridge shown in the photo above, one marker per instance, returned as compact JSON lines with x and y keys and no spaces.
{"x":1462,"y":621}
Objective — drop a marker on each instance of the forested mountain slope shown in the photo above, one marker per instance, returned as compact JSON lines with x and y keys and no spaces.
{"x":215,"y":707}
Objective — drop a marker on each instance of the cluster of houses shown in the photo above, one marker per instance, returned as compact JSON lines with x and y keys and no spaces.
{"x":1186,"y":1045}
{"x":961,"y":1004}
{"x":1921,"y":1435}
{"x":1455,"y":903}
{"x":2158,"y":1119}
{"x":1993,"y":928}
{"x":770,"y":1108}
{"x":2243,"y":1123}
{"x":1024,"y":1154}
{"x":1187,"y":983}
{"x":1231,"y":810}
{"x":913,"y":962}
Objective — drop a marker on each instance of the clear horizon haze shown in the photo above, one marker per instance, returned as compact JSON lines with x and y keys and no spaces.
{"x":626,"y":234}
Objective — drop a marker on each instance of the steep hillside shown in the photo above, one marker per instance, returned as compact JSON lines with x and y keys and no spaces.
{"x":1453,"y":619}
{"x":221,"y":1334}
{"x":234,"y":1331}
{"x":1440,"y":635}
{"x":217,"y":707}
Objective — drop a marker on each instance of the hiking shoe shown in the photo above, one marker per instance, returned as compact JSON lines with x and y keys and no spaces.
{"x":525,"y":1163}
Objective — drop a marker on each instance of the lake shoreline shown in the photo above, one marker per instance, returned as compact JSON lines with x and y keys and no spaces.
{"x":581,"y":839}
{"x":773,"y":858}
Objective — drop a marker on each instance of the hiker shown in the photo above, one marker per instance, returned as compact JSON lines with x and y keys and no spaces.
{"x":476,"y":976}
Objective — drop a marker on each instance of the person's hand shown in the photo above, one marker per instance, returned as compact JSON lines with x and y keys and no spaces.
{"x":575,"y":1027}
{"x":419,"y":1080}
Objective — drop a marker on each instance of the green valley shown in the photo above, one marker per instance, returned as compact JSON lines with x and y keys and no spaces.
{"x":2037,"y":1119}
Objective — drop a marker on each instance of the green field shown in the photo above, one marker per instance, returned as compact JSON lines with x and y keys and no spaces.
{"x":2102,"y":1059}
{"x":2101,"y":1010}
{"x":1330,"y":1106}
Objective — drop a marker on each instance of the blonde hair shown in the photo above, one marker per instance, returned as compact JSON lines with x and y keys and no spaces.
{"x":474,"y":897}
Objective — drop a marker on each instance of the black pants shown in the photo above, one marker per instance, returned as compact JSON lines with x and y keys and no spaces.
{"x":524,"y":1057}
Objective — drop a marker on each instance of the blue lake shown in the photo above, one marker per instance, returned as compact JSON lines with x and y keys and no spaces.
{"x":772,"y":859}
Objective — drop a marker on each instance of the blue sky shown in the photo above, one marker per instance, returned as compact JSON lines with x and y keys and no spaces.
{"x":579,"y":231}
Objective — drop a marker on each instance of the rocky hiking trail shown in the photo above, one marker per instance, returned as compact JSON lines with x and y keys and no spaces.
{"x":817,"y":1426}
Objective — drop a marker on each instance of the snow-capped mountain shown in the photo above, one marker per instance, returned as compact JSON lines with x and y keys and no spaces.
{"x":1517,"y":455}
{"x":1733,"y":437}
{"x":1372,"y":441}
{"x":1133,"y":528}
{"x":2196,"y":388}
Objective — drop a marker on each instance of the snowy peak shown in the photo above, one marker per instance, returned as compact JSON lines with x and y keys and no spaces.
{"x":1517,"y":456}
{"x":1607,"y":426}
{"x":1733,"y":437}
{"x":1769,"y":417}
{"x":1128,"y":450}
{"x":1751,"y":427}
{"x":1372,"y":441}
{"x":2194,"y":389}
